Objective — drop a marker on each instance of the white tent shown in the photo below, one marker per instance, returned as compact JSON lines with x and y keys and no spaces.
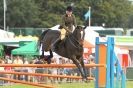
{"x":90,"y":35}
{"x":9,"y":39}
{"x":5,"y":34}
{"x":95,"y":28}
{"x":56,"y":27}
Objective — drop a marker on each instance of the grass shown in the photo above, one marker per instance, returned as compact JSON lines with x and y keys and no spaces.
{"x":17,"y":86}
{"x":75,"y":85}
{"x":129,"y":84}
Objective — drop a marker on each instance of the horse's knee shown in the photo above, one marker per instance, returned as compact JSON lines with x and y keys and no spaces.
{"x":49,"y":60}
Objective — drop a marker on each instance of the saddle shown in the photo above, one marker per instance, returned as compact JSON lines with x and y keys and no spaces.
{"x":60,"y":41}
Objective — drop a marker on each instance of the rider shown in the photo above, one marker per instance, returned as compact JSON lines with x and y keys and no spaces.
{"x":68,"y":21}
{"x":66,"y":27}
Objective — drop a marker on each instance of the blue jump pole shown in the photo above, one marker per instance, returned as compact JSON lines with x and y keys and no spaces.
{"x":96,"y":61}
{"x":110,"y":64}
{"x":111,"y":40}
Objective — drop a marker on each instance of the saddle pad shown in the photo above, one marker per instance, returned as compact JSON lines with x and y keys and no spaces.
{"x":63,"y":33}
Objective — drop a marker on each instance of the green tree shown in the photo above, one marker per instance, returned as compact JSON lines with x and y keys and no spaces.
{"x":114,"y":13}
{"x":47,"y":13}
{"x":21,"y":13}
{"x":51,"y":12}
{"x":130,"y":19}
{"x":1,"y":14}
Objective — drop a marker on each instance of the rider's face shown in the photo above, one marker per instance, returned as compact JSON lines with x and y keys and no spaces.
{"x":68,"y":12}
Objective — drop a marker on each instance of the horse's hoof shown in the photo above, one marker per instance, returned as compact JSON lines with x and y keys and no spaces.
{"x":49,"y":61}
{"x":86,"y":80}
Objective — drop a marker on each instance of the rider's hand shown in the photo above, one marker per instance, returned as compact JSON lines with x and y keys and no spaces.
{"x":68,"y":31}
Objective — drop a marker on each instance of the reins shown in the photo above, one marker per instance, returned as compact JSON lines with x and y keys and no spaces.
{"x":78,"y":45}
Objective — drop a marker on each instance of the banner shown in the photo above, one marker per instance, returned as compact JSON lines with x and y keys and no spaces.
{"x":87,"y":15}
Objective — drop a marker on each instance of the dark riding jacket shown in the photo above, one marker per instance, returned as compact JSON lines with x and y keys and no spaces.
{"x":68,"y":22}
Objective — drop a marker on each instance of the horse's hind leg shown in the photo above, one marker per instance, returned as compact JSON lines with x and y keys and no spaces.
{"x":42,"y":55}
{"x":50,"y":56}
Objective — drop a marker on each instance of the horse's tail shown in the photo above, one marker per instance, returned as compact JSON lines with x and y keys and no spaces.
{"x":40,"y":40}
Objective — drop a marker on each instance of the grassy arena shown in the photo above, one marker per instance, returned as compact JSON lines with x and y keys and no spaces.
{"x":129,"y":84}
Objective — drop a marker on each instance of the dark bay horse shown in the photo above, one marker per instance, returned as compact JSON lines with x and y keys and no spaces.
{"x":71,"y":47}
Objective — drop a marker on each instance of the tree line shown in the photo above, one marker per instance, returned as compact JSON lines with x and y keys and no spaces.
{"x":47,"y":13}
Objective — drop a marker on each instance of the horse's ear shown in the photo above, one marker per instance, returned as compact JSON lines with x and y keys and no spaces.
{"x":79,"y":27}
{"x":84,"y":27}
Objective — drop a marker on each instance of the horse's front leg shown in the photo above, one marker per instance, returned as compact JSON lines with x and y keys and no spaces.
{"x":77,"y":63}
{"x":83,"y":66}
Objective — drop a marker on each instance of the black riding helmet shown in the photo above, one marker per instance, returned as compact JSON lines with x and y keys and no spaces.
{"x":69,"y":8}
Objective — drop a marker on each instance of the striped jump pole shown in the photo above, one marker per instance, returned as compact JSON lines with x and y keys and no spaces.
{"x":104,"y":52}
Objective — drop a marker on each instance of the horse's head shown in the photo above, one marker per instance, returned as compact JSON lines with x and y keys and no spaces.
{"x":79,"y":34}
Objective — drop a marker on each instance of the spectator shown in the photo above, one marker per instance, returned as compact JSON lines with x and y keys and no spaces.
{"x":8,"y":69}
{"x":53,"y":71}
{"x":61,"y":70}
{"x":31,"y":70}
{"x":2,"y":75}
{"x":25,"y":69}
{"x":17,"y":60}
{"x":39,"y":79}
{"x":68,"y":71}
{"x":8,"y":59}
{"x":92,"y":61}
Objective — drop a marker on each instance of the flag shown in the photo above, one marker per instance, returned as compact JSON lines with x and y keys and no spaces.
{"x":5,"y":6}
{"x":87,"y":14}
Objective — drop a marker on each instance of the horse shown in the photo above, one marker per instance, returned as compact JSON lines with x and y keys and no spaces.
{"x":71,"y":47}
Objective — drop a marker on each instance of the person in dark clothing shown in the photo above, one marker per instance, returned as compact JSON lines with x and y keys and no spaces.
{"x":41,"y":70}
{"x":69,"y":20}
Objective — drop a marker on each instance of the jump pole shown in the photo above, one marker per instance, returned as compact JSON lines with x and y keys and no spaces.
{"x":24,"y":82}
{"x":51,"y":65}
{"x":45,"y":75}
{"x":100,"y":53}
